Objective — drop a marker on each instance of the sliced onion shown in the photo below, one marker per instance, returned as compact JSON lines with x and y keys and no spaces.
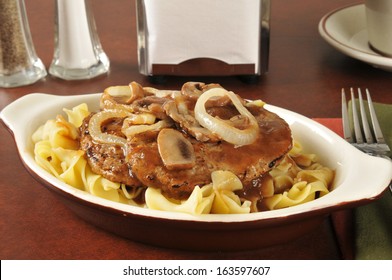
{"x":95,"y":124}
{"x":161,"y":93}
{"x":143,"y":118}
{"x":223,"y":129}
{"x":117,"y":91}
{"x":136,"y":129}
{"x":133,"y":91}
{"x":120,"y":97}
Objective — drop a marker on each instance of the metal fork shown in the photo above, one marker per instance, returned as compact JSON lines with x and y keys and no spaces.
{"x":364,"y":141}
{"x":369,"y":141}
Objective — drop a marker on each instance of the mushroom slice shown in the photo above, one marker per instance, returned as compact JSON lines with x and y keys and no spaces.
{"x":175,"y":150}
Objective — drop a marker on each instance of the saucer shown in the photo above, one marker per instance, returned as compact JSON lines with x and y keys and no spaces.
{"x":345,"y":30}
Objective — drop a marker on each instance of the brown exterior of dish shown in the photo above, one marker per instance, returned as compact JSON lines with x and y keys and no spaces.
{"x":196,"y":235}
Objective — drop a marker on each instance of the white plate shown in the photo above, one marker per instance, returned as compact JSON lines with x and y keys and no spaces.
{"x":335,"y":152}
{"x":360,"y":179}
{"x":345,"y":30}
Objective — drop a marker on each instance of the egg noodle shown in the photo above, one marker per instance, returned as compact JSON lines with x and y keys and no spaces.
{"x":297,"y":179}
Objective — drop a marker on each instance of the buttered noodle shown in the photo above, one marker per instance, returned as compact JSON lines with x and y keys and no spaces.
{"x":297,"y":179}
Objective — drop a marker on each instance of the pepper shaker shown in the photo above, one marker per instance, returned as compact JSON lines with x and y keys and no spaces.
{"x":78,"y":52}
{"x":19,"y":64}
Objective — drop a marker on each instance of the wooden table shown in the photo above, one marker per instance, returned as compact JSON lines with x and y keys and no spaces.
{"x":305,"y":76}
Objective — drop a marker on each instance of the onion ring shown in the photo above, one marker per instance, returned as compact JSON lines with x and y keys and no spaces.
{"x":227,"y":132}
{"x":95,"y":124}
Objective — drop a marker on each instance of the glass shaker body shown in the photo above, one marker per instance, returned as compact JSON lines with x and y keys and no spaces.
{"x":19,"y":64}
{"x":78,"y":52}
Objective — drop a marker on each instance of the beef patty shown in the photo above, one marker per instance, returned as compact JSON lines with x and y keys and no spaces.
{"x":106,"y":159}
{"x":141,"y":164}
{"x":248,"y":162}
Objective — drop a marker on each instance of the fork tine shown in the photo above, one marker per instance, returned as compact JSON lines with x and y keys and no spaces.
{"x":375,"y":148}
{"x":376,"y":126}
{"x":365,"y":123}
{"x":357,"y":128}
{"x":346,"y":124}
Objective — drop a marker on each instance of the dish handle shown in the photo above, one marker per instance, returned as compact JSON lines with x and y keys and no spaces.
{"x":20,"y":111}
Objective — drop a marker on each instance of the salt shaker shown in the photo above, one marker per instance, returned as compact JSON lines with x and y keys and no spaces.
{"x":78,"y":52}
{"x":19,"y":64}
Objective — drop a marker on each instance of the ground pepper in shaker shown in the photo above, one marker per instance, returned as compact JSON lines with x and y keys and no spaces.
{"x":19,"y":64}
{"x":78,"y":52}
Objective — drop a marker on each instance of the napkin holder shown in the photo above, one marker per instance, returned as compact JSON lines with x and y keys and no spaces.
{"x":203,"y":37}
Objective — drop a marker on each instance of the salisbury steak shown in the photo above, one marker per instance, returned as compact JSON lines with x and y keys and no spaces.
{"x":107,"y":160}
{"x":248,"y":162}
{"x":182,"y":154}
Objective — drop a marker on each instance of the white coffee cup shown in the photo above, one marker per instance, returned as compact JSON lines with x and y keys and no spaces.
{"x":379,"y":25}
